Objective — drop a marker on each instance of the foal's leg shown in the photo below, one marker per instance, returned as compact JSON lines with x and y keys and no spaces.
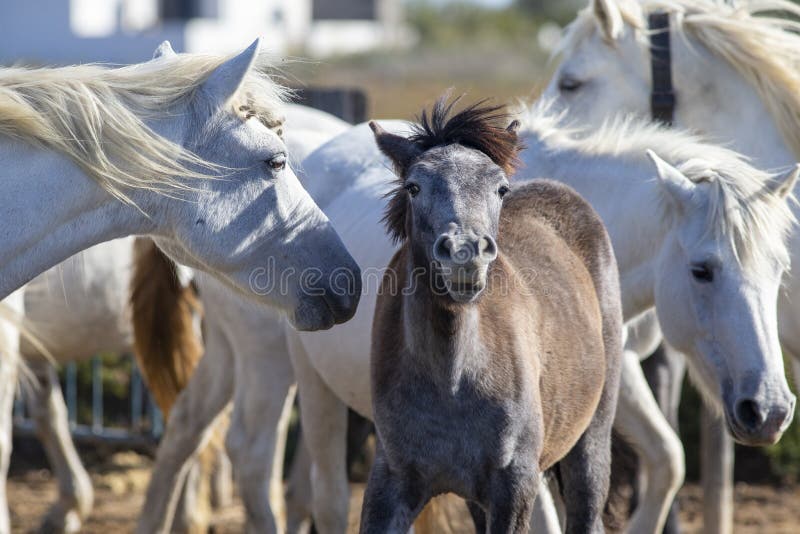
{"x":585,"y":475}
{"x":190,"y":421}
{"x":256,"y":440}
{"x":390,"y":502}
{"x":324,"y":419}
{"x":46,"y":405}
{"x":512,"y":494}
{"x":640,"y":421}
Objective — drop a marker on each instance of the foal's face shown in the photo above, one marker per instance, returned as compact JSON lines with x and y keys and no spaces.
{"x":454,"y":200}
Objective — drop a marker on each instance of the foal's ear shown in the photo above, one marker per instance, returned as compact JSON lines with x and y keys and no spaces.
{"x":680,"y":188}
{"x":783,"y":184}
{"x":397,"y":148}
{"x":513,"y":127}
{"x":608,"y":18}
{"x":226,"y":79}
{"x":164,"y":50}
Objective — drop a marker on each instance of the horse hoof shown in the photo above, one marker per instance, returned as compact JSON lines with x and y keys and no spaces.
{"x":58,"y":522}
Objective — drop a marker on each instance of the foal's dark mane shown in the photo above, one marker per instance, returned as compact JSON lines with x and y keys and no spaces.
{"x":480,"y":126}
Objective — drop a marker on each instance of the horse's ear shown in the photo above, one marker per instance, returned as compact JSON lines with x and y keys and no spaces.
{"x":783,"y":184}
{"x":164,"y":50}
{"x":397,"y":148}
{"x":680,"y":188}
{"x":226,"y":79}
{"x":608,"y":18}
{"x":514,"y":126}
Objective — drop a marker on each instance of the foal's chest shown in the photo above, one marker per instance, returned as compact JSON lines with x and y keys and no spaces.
{"x":454,"y":440}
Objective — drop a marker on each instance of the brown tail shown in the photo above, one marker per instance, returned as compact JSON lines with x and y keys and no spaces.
{"x":166,"y":345}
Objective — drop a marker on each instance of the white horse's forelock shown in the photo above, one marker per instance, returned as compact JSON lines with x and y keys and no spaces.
{"x":762,"y":47}
{"x":96,"y":116}
{"x":742,"y":208}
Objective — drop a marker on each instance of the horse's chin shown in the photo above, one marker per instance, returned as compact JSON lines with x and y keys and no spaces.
{"x":465,"y":293}
{"x":312,"y":315}
{"x":747,"y":439}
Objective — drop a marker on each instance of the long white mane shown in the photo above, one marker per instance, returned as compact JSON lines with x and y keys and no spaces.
{"x":763,"y":47}
{"x":96,"y":115}
{"x":742,"y":207}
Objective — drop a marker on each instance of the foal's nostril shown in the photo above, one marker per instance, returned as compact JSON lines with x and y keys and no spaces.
{"x":487,"y":247}
{"x":442,"y":248}
{"x":749,"y":414}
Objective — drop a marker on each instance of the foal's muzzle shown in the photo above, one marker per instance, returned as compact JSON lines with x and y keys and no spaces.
{"x":464,"y":260}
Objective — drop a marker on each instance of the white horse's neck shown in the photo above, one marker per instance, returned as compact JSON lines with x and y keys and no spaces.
{"x":716,"y":101}
{"x":629,"y":206}
{"x":51,"y":210}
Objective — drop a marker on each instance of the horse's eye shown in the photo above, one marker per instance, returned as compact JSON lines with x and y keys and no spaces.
{"x":702,"y":273}
{"x":567,"y":84}
{"x":412,"y":189}
{"x":503,"y":191}
{"x":277,"y":163}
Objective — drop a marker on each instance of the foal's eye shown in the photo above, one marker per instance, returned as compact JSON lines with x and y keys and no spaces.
{"x":503,"y":191}
{"x":702,"y":273}
{"x":568,"y":84}
{"x":277,"y":163}
{"x":412,"y":189}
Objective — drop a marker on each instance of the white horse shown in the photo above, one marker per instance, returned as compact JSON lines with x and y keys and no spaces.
{"x":116,"y":152}
{"x":675,"y":224}
{"x":80,"y":308}
{"x":736,"y":78}
{"x":223,"y":200}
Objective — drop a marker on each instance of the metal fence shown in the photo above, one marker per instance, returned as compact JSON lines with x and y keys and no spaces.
{"x":143,"y":425}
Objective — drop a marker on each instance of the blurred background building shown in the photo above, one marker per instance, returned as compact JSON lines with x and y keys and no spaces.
{"x":126,"y":31}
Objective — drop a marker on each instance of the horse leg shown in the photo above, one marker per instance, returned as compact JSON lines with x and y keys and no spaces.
{"x":478,"y":516}
{"x":191,"y":419}
{"x":221,"y":480}
{"x":512,"y":494}
{"x":256,"y":440}
{"x":586,"y":470}
{"x":717,"y":474}
{"x":545,"y":518}
{"x":664,"y":370}
{"x":641,"y":423}
{"x":191,"y":515}
{"x":298,"y":490}
{"x":9,"y":366}
{"x":324,"y":419}
{"x":390,"y":502}
{"x":76,"y":496}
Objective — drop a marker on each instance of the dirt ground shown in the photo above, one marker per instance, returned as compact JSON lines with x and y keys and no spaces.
{"x":120,"y":483}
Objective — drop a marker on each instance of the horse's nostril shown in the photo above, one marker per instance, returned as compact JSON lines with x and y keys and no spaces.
{"x":487,"y":247}
{"x":749,"y":414}
{"x":442,"y":248}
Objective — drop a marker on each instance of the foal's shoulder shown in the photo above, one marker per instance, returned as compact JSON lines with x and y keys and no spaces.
{"x":555,"y":204}
{"x":561,"y":208}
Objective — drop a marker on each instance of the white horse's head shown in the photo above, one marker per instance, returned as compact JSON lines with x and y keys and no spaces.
{"x":733,"y":71}
{"x":716,"y":287}
{"x":604,"y":66}
{"x":254,"y":227}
